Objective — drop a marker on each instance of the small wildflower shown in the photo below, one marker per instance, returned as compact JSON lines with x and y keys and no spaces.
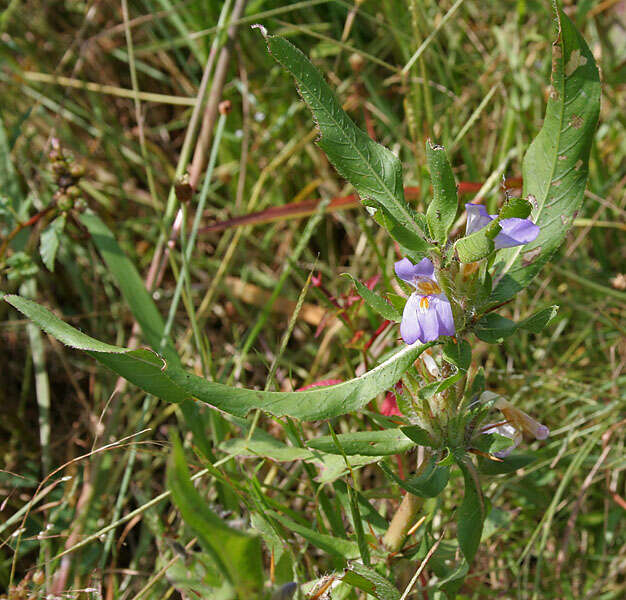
{"x":508,"y":431}
{"x":427,"y":313}
{"x":515,"y":232}
{"x":521,"y":421}
{"x":517,"y":423}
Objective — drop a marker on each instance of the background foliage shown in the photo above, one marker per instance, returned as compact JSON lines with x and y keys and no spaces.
{"x":479,"y":88}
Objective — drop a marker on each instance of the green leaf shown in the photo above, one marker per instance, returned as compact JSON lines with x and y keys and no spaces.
{"x":471,"y":514}
{"x":365,"y":443}
{"x":375,"y":302}
{"x":494,"y":328}
{"x":339,"y":547}
{"x":156,"y":376}
{"x":418,"y":435}
{"x":238,"y":553}
{"x":373,"y":170}
{"x":442,"y":210}
{"x":478,"y":383}
{"x":263,"y":444}
{"x":492,"y":443}
{"x":49,"y":241}
{"x":535,"y":323}
{"x":518,"y":208}
{"x":368,"y":513}
{"x":474,"y":247}
{"x":556,"y":164}
{"x":511,"y":463}
{"x":428,"y":484}
{"x":358,"y":526}
{"x":414,"y":244}
{"x":368,"y":580}
{"x":458,"y":353}
{"x":9,"y":181}
{"x":131,"y":285}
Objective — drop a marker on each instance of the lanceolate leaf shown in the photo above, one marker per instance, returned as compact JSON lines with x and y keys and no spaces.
{"x":555,"y":165}
{"x":444,"y":205}
{"x":535,"y":323}
{"x":375,"y":302}
{"x":426,"y":485}
{"x":339,"y":547}
{"x":49,"y":241}
{"x":494,"y":328}
{"x":131,"y":285}
{"x":237,"y":553}
{"x":154,"y":375}
{"x":374,"y":171}
{"x":368,"y":580}
{"x":365,"y":443}
{"x":471,"y":514}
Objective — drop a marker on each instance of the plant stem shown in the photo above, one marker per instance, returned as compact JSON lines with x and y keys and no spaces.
{"x":402,"y":521}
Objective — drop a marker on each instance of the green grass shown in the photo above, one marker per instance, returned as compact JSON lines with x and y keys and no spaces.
{"x":478,"y":87}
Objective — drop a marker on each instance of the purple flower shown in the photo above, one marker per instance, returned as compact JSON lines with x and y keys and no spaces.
{"x":427,"y":313}
{"x":515,"y":232}
{"x":508,"y":431}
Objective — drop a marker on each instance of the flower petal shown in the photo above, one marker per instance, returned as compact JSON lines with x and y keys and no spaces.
{"x":477,"y":218}
{"x":428,"y":320}
{"x":405,"y":270}
{"x":444,"y":314}
{"x":521,"y":421}
{"x":410,"y":328}
{"x":505,"y":430}
{"x":516,"y":232}
{"x":425,"y":269}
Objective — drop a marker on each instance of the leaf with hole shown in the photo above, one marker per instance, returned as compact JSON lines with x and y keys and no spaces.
{"x":556,"y":164}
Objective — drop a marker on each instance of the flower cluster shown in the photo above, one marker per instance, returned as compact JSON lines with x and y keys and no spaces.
{"x":427,"y":314}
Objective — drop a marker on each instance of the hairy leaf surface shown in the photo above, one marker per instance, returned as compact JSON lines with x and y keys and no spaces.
{"x":556,"y":163}
{"x":373,"y":170}
{"x":154,"y":375}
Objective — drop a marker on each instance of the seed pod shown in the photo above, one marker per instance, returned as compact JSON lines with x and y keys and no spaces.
{"x":73,"y":192}
{"x":77,"y":171}
{"x":64,"y":202}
